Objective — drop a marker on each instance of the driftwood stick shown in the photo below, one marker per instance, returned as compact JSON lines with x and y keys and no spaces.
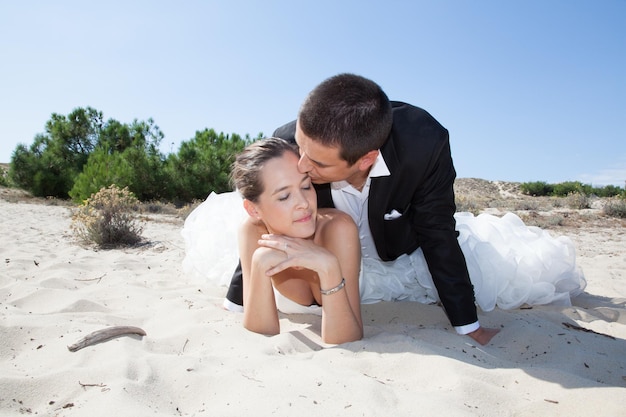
{"x":103,"y":335}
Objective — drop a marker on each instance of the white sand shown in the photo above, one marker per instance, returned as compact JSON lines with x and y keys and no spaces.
{"x":197,"y":360}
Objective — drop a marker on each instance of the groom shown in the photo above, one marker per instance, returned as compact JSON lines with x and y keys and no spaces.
{"x":387,"y":164}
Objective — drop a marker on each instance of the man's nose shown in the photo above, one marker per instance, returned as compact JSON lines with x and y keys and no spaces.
{"x":304,"y":165}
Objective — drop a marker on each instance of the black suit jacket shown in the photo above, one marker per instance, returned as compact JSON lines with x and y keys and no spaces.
{"x":420,"y":187}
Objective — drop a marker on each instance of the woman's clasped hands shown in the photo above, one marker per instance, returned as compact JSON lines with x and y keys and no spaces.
{"x":299,"y":254}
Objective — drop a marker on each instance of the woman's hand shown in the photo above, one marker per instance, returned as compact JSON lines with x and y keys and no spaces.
{"x":300,"y":254}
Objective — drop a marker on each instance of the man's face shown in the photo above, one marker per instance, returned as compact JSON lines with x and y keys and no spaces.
{"x":322,"y":163}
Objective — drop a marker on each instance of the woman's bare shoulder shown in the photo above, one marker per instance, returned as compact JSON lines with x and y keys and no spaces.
{"x":335,"y":221}
{"x":333,"y":214}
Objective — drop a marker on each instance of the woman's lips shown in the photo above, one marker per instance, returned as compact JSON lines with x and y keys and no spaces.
{"x":304,"y":219}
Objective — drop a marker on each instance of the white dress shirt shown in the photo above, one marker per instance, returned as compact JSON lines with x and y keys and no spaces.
{"x":354,"y":202}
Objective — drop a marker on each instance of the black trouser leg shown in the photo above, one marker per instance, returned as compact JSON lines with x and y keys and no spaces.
{"x":235,"y":290}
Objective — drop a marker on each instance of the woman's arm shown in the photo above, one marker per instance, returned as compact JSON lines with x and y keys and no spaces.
{"x":260,"y":314}
{"x":341,"y":318}
{"x":334,"y":255}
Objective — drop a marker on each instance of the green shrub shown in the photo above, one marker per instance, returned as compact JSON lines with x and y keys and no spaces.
{"x":608,"y":191}
{"x":202,"y":165}
{"x":563,"y":189}
{"x":48,"y":167}
{"x":101,"y":170}
{"x":4,"y":177}
{"x":567,"y":188}
{"x":107,"y":218}
{"x":127,"y":155}
{"x":537,"y":188}
{"x":81,"y":153}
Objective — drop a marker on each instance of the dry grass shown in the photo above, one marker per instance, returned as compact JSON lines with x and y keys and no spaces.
{"x":499,"y":197}
{"x":148,"y":211}
{"x":108,"y":219}
{"x":15,"y":195}
{"x":472,"y":194}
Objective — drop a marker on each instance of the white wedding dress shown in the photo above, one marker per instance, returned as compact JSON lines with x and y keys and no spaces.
{"x":510,"y":264}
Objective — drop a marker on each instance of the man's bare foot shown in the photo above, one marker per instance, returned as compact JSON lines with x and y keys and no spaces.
{"x":483,"y":335}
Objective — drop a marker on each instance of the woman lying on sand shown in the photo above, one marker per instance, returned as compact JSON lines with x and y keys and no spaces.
{"x":290,"y":249}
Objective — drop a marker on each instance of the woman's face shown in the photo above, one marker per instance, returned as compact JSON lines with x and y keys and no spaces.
{"x":288,"y":204}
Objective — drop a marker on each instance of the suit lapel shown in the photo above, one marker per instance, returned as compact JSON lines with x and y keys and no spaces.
{"x":380,"y":193}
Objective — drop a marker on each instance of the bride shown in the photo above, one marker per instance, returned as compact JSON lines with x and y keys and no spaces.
{"x":294,"y":256}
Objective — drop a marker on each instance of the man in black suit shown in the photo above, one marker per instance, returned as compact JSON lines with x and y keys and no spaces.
{"x":389,"y":165}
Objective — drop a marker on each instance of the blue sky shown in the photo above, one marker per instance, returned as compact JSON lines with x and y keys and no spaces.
{"x":529,"y":90}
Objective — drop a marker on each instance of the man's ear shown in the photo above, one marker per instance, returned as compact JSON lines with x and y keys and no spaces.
{"x":367,"y":160}
{"x":251,"y":209}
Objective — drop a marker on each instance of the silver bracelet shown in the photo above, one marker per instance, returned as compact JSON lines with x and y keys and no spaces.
{"x":334,"y":290}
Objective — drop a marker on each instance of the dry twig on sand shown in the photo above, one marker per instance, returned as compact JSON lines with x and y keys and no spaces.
{"x":105,"y":334}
